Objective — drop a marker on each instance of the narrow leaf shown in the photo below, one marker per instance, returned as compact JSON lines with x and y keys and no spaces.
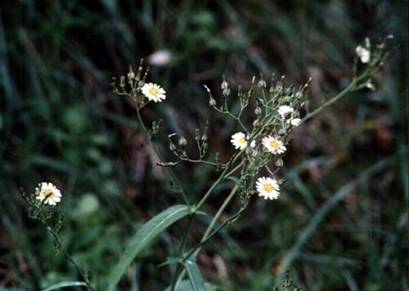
{"x":195,"y":277}
{"x":185,"y":285}
{"x":64,"y":285}
{"x":144,"y":237}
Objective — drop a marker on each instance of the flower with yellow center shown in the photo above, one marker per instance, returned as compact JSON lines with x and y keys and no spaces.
{"x":268,"y":188}
{"x":154,"y":92}
{"x":239,"y":141}
{"x":47,"y":193}
{"x":273,"y":145}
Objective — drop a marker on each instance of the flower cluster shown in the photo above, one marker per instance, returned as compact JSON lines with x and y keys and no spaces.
{"x":134,"y":86}
{"x":263,"y":136}
{"x":268,"y":187}
{"x":276,"y":113}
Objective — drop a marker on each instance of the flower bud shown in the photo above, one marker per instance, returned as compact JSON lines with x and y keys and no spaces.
{"x":172,"y":147}
{"x":131,"y":74}
{"x":197,"y":134}
{"x":224,"y":85}
{"x":262,"y":84}
{"x":182,"y":141}
{"x":122,"y":81}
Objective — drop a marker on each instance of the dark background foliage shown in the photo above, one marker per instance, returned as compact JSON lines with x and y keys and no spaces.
{"x":60,"y":122}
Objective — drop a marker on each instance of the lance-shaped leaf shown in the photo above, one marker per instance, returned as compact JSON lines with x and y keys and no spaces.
{"x":195,"y":277}
{"x":64,"y":284}
{"x":144,"y":237}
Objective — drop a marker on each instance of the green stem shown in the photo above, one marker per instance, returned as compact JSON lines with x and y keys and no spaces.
{"x":351,"y":87}
{"x":196,"y":249}
{"x":181,"y":250}
{"x":156,"y":150}
{"x":226,"y":173}
{"x":201,"y":161}
{"x":69,"y":258}
{"x":208,"y":233}
{"x":220,"y":211}
{"x":237,"y":118}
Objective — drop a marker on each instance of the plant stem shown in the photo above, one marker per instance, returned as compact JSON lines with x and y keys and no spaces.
{"x":156,"y":150}
{"x":208,"y":233}
{"x":181,"y":250}
{"x":69,"y":258}
{"x":351,"y":87}
{"x":220,"y":211}
{"x":226,"y":173}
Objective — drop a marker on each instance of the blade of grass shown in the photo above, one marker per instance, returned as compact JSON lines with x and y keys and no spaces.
{"x":145,"y":237}
{"x":65,"y":284}
{"x":323,"y":211}
{"x":195,"y":277}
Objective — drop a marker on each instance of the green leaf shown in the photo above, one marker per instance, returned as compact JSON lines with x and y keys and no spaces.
{"x":195,"y":277}
{"x":144,"y":237}
{"x":65,"y":284}
{"x":185,"y":285}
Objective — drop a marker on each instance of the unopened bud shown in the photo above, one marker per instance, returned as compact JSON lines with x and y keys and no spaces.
{"x":122,"y":81}
{"x":182,"y":141}
{"x":131,"y":74}
{"x":172,"y":147}
{"x":224,"y":85}
{"x":262,"y":84}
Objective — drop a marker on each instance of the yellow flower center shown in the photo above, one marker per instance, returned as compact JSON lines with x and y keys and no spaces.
{"x":274,"y":144}
{"x":268,"y":187}
{"x":243,"y":140}
{"x":154,"y":91}
{"x":48,"y":193}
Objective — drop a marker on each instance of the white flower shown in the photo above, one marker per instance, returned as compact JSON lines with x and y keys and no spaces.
{"x":160,"y":58}
{"x":273,"y":145}
{"x":154,"y":92}
{"x":295,"y":122}
{"x":268,"y":188}
{"x":239,"y":141}
{"x":284,"y":110}
{"x":363,"y":54}
{"x":48,"y":193}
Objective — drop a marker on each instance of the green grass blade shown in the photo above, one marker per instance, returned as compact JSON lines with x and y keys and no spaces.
{"x":322,"y":212}
{"x":64,"y":285}
{"x":185,"y":285}
{"x":144,"y":237}
{"x":195,"y":277}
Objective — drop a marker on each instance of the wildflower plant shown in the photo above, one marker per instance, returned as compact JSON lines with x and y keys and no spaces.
{"x":268,"y":113}
{"x":43,"y":206}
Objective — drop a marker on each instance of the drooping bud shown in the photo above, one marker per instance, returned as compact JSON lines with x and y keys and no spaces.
{"x":182,"y":141}
{"x":258,"y":111}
